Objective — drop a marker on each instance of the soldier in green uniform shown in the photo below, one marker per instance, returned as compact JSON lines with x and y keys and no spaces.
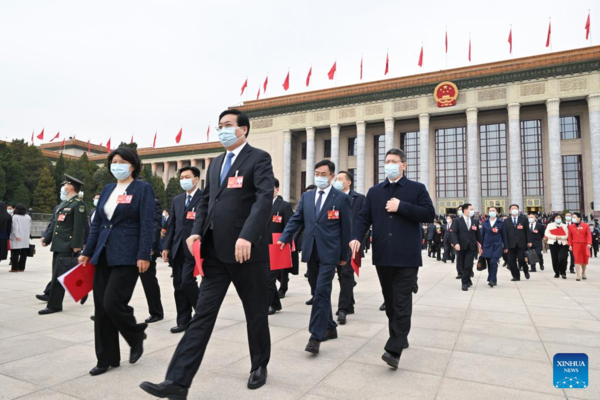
{"x":66,"y":237}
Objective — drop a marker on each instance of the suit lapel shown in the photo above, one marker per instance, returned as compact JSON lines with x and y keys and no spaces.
{"x":131,"y":189}
{"x":330,"y":199}
{"x":239,"y":160}
{"x":311,"y":206}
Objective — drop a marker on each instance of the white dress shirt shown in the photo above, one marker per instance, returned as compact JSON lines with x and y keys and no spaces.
{"x":235,"y":152}
{"x":468,"y":221}
{"x":326,"y":190}
{"x":111,"y":203}
{"x":493,"y":222}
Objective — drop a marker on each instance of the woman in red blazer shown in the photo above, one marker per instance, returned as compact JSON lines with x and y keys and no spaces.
{"x":580,"y":243}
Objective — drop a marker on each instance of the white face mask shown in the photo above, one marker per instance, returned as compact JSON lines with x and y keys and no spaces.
{"x":322,"y":182}
{"x":95,"y":202}
{"x":338,"y":185}
{"x":449,"y":221}
{"x":492,"y":214}
{"x":514,"y":212}
{"x":568,"y":219}
{"x":10,"y":212}
{"x":531,"y":220}
{"x":471,"y":213}
{"x":392,"y":171}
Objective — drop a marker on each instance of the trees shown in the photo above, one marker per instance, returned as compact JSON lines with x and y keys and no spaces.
{"x":13,"y":173}
{"x":173,"y":189}
{"x":45,"y":196}
{"x":101,"y":178}
{"x":157,"y":185}
{"x":59,"y":171}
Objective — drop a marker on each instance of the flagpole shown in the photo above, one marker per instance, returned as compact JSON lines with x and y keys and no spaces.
{"x":446,"y":42}
{"x":550,"y":31}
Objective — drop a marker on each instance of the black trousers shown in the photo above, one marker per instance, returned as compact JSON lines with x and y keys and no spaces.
{"x":595,"y":248}
{"x":113,"y":288}
{"x":396,"y":285}
{"x":57,"y":291}
{"x":346,"y":278}
{"x":517,"y":254}
{"x":559,"y":255}
{"x":466,"y":257}
{"x":459,"y":262}
{"x":437,"y":250}
{"x":312,"y":270}
{"x":18,"y":257}
{"x":572,"y":261}
{"x":284,"y":277}
{"x":152,"y":290}
{"x":251,"y":285}
{"x":186,"y":287}
{"x":273,"y":299}
{"x":448,"y":252}
{"x":538,"y":250}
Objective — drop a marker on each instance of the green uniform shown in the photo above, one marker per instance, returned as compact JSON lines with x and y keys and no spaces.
{"x":67,"y":233}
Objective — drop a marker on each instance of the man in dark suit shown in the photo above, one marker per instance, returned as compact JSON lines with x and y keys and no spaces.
{"x":447,"y":241}
{"x":232,"y":222}
{"x":345,"y":183}
{"x":281,"y":213}
{"x":458,"y":258}
{"x":517,"y":233}
{"x":326,"y":215}
{"x":466,"y":238}
{"x":595,"y":236}
{"x":536,"y":232}
{"x":179,"y":228}
{"x":430,"y":233}
{"x":395,"y":209}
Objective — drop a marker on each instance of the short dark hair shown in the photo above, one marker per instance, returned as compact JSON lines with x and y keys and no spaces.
{"x":398,"y":153}
{"x":532,"y":213}
{"x":459,"y":207}
{"x":329,"y":165}
{"x":97,"y":194}
{"x":20,"y":209}
{"x":276,"y":183}
{"x":349,"y":176}
{"x":494,"y":207}
{"x":578,"y":214}
{"x":242,"y":119}
{"x":466,"y":205}
{"x":310,"y":187}
{"x":129,"y":155}
{"x":556,"y":215}
{"x":194,"y":170}
{"x":513,"y":205}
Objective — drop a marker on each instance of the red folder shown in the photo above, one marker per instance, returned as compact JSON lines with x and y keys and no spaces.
{"x":558,"y":232}
{"x":356,"y":262}
{"x":78,"y":281}
{"x":280,"y":259}
{"x":197,"y":256}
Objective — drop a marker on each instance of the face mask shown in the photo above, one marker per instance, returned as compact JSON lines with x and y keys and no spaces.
{"x":186,"y":184}
{"x":575,"y":220}
{"x":392,"y":171}
{"x":568,"y":218}
{"x":449,"y":222}
{"x":471,"y":213}
{"x":63,"y":193}
{"x":558,"y":221}
{"x":227,"y":136}
{"x":95,"y":202}
{"x":10,"y":212}
{"x":322,"y":182}
{"x":338,"y":185}
{"x":460,"y":213}
{"x":120,"y":171}
{"x":514,"y":212}
{"x":531,"y":220}
{"x":493,"y":214}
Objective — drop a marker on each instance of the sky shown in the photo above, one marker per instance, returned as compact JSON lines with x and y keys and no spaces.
{"x":114,"y":69}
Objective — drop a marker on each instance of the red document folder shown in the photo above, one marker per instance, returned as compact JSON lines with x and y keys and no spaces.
{"x":78,"y":281}
{"x":198,"y":257}
{"x":356,"y":262}
{"x":280,"y":259}
{"x":558,"y":232}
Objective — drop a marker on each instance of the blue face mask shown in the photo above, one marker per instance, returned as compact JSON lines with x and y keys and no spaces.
{"x":471,"y":213}
{"x":392,"y":171}
{"x":95,"y":202}
{"x":186,"y":184}
{"x":338,"y":185}
{"x":492,"y":214}
{"x":63,"y":193}
{"x":120,"y":171}
{"x":322,"y":182}
{"x":227,"y":136}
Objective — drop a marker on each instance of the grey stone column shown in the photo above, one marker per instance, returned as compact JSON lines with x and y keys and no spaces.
{"x":310,"y":156}
{"x":514,"y":155}
{"x":287,"y":164}
{"x":473,"y":161}
{"x":335,"y":146}
{"x":557,"y":203}
{"x":361,"y":128}
{"x":166,"y":166}
{"x":389,"y":133}
{"x":594,"y":116}
{"x":424,"y":150}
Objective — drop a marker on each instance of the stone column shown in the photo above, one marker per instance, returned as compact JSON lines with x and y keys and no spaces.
{"x":424,"y":150}
{"x":557,"y":203}
{"x":287,"y":164}
{"x":594,"y":116}
{"x":335,"y":146}
{"x":389,"y":133}
{"x":310,"y":156}
{"x":179,"y":164}
{"x":473,"y":161}
{"x":515,"y":181}
{"x":166,"y":166}
{"x":193,"y":162}
{"x":207,"y":163}
{"x":361,"y":128}
{"x":154,"y":168}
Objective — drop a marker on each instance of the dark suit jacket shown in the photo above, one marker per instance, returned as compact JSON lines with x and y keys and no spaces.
{"x":156,"y":247}
{"x":536,"y":238}
{"x":517,"y":237}
{"x":179,"y":228}
{"x":493,"y":240}
{"x":128,"y":236}
{"x":357,"y":201}
{"x":330,"y":236}
{"x":430,"y":232}
{"x":282,"y":209}
{"x":447,"y":235}
{"x":397,"y":237}
{"x":69,"y":233}
{"x":466,"y":237}
{"x":238,"y":213}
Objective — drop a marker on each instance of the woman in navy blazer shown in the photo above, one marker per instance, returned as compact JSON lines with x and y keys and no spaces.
{"x":119,"y":246}
{"x":493,"y":243}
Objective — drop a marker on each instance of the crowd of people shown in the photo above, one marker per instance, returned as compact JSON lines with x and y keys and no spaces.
{"x":240,"y":219}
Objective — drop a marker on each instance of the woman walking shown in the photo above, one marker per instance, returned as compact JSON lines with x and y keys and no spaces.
{"x":558,"y":243}
{"x":493,"y":244}
{"x":19,"y":238}
{"x":580,"y":243}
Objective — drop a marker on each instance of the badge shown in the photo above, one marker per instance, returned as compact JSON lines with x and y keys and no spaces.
{"x":124,"y":199}
{"x":67,"y":209}
{"x":520,"y":227}
{"x":535,"y":231}
{"x":333,"y":214}
{"x":235,"y":182}
{"x":495,"y":230}
{"x":278,"y":219}
{"x":191,"y":215}
{"x":473,"y":227}
{"x":61,"y":217}
{"x":81,"y":209}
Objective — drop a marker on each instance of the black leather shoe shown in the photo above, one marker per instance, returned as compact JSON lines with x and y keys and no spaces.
{"x":491,"y":284}
{"x":458,"y":276}
{"x":309,"y":302}
{"x":313,"y":346}
{"x":527,"y":276}
{"x":391,"y":360}
{"x":165,"y":389}
{"x":100,"y":370}
{"x":153,"y":318}
{"x":405,"y":345}
{"x":93,"y":317}
{"x":542,"y":267}
{"x":342,"y":317}
{"x":382,"y":307}
{"x":572,"y":271}
{"x":178,"y":329}
{"x":415,"y":288}
{"x":137,"y":350}
{"x":257,"y":378}
{"x":564,"y":276}
{"x":48,"y":311}
{"x":556,"y":275}
{"x":281,"y":294}
{"x":42,"y":297}
{"x":515,"y":280}
{"x":330,"y":334}
{"x":472,"y":274}
{"x":465,"y":288}
{"x":273,"y":310}
{"x":83,"y":300}
{"x":470,"y":284}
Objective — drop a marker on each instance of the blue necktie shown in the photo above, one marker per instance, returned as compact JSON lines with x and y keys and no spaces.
{"x":189,"y":198}
{"x":515,"y":222}
{"x":321,"y":192}
{"x":227,"y":167}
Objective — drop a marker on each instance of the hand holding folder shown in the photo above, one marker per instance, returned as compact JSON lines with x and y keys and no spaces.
{"x":78,"y":281}
{"x":280,"y":257}
{"x":356,"y":261}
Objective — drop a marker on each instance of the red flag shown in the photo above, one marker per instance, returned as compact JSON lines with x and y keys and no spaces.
{"x":286,"y":83}
{"x":469,"y":48}
{"x":446,"y":41}
{"x":265,"y":84}
{"x":41,"y":135}
{"x":131,"y":142}
{"x":308,"y":77}
{"x":244,"y":86}
{"x":89,"y":147}
{"x":107,"y":146}
{"x":100,"y":144}
{"x":331,"y":72}
{"x":549,"y":32}
{"x":361,"y":67}
{"x":208,"y":133}
{"x":61,"y":145}
{"x":387,"y":63}
{"x":55,"y":136}
{"x":587,"y":27}
{"x":421,"y":57}
{"x":154,"y":142}
{"x":258,"y":94}
{"x":178,"y":137}
{"x":510,"y":39}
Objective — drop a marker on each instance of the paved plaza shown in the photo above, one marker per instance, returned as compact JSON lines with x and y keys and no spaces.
{"x":482,"y":344}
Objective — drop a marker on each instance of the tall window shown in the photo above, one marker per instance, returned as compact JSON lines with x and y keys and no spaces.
{"x":303,"y":154}
{"x":327,"y":149}
{"x":569,"y":128}
{"x":302,"y":181}
{"x":494,"y":180}
{"x":450,"y":163}
{"x":352,"y":146}
{"x":531,"y":158}
{"x":378,"y":159}
{"x":411,"y":146}
{"x":573,"y":183}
